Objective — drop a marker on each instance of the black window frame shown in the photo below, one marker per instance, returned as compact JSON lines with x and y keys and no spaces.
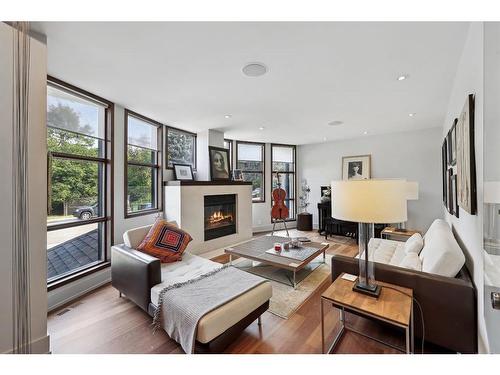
{"x":157,"y":194}
{"x":106,"y":219}
{"x":230,"y":148}
{"x":263,"y":172}
{"x":170,"y":128}
{"x":294,"y":173}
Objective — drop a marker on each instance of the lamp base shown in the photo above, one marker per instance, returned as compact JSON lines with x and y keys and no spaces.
{"x":369,"y":290}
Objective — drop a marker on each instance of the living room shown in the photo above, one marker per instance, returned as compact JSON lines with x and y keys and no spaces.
{"x":250,"y":187}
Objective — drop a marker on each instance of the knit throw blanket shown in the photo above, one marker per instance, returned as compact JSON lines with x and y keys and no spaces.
{"x":181,"y":306}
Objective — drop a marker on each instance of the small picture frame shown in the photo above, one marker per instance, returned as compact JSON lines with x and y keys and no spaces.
{"x":183,"y":172}
{"x":452,"y":144}
{"x":356,"y":167}
{"x":237,"y":175}
{"x":219,"y":164}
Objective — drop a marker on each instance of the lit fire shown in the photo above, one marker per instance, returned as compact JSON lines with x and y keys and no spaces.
{"x":218,"y":218}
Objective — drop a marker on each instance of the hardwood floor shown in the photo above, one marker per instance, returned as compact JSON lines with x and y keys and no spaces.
{"x":101,"y":322}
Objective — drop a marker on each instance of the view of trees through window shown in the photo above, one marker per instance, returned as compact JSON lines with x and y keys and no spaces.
{"x":142,"y":169}
{"x":250,"y":159}
{"x":181,"y":148}
{"x":77,"y":160}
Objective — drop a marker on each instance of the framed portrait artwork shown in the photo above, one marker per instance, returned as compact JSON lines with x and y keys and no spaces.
{"x":183,"y":172}
{"x":219,"y":164}
{"x":356,"y":167}
{"x":466,"y":159}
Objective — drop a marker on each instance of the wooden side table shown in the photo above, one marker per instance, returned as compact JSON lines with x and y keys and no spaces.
{"x":304,"y":221}
{"x":392,"y":232}
{"x":393,"y":306}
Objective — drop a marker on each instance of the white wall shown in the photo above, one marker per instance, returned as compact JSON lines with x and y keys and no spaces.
{"x":468,"y":228}
{"x":37,"y":197}
{"x":415,"y":156}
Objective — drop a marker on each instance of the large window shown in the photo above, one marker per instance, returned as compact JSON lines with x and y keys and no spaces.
{"x":283,"y":172}
{"x":79,"y":177}
{"x":181,"y":148}
{"x":143,"y":173}
{"x":250,"y":158}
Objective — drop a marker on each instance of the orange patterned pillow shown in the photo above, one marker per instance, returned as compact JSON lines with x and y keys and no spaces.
{"x":165,"y":242}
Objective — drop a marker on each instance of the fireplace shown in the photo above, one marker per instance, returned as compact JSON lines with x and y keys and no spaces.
{"x":220,"y":215}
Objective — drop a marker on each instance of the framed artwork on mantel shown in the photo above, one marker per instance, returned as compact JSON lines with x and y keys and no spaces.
{"x":356,"y":167}
{"x":183,"y":172}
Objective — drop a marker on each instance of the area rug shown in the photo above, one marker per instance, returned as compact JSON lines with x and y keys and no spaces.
{"x":286,"y":300}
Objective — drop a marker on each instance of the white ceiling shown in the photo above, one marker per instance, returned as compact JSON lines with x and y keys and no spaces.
{"x":189,"y":75}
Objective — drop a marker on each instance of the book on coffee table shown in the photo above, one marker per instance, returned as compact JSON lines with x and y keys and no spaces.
{"x":299,"y":253}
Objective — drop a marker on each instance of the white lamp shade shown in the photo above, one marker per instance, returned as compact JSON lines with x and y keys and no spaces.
{"x":370,"y":201}
{"x":412,"y":190}
{"x":492,"y":192}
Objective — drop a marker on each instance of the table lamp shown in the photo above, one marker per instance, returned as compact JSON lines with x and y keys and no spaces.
{"x":369,"y":202}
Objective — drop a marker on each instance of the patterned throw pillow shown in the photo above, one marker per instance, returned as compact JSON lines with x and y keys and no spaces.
{"x":165,"y":242}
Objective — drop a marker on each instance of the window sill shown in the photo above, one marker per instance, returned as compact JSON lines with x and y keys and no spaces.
{"x":142,"y":213}
{"x":76,"y":276}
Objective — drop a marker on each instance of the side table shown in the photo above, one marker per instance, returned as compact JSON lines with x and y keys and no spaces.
{"x":394,"y":306}
{"x":304,"y":221}
{"x":392,"y":232}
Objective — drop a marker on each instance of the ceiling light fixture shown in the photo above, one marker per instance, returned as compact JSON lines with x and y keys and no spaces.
{"x":261,"y":128}
{"x":403,"y":77}
{"x":411,"y":114}
{"x":365,"y":132}
{"x":335,"y":123}
{"x":324,"y":139}
{"x":254,"y":69}
{"x":228,"y":116}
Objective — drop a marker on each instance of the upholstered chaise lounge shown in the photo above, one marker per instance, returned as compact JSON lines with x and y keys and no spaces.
{"x":141,"y":277}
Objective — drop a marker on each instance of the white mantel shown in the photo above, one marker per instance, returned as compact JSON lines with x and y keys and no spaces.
{"x":184,"y":204}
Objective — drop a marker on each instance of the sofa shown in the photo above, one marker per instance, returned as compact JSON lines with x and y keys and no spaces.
{"x":141,"y":277}
{"x":440,"y":281}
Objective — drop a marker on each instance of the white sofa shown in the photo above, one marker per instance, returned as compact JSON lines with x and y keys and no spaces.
{"x":439,"y":254}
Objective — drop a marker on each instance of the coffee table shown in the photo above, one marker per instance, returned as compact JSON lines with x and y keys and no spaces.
{"x":255,"y":250}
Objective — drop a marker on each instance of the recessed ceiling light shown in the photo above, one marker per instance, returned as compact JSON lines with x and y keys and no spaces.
{"x":335,"y":123}
{"x":261,"y":128}
{"x":324,"y":139}
{"x":365,"y":132}
{"x":254,"y":69}
{"x":411,"y":114}
{"x":228,"y":116}
{"x":402,"y":77}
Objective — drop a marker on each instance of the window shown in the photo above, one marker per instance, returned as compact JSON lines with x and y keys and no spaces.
{"x":250,"y":159}
{"x":228,"y":143}
{"x":283,"y":170}
{"x":181,"y":148}
{"x":79,"y":176}
{"x":143,"y":173}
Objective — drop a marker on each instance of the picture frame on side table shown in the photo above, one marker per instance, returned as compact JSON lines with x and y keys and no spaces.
{"x":219,"y":164}
{"x":466,"y":158}
{"x":356,"y":167}
{"x":183,"y":172}
{"x":237,"y":175}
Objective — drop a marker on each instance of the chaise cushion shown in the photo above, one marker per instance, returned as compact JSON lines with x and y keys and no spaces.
{"x":441,"y":254}
{"x":165,"y":242}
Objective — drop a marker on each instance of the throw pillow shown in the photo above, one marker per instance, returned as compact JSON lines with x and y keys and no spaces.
{"x":414,"y":244}
{"x":411,"y":261}
{"x":165,"y":242}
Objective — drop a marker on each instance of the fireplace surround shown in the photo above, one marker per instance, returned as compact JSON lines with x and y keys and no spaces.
{"x":219,"y":215}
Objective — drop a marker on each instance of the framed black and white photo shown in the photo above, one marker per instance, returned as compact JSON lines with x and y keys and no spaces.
{"x":237,"y":175}
{"x":454,"y":195}
{"x":183,"y":172}
{"x":444,"y":162}
{"x":219,"y":164}
{"x":466,"y":159}
{"x":356,"y":167}
{"x":452,"y":144}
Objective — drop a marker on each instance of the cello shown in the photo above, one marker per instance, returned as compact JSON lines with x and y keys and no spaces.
{"x":279,"y":211}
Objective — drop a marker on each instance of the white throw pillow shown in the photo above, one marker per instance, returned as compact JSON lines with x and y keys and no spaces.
{"x":414,"y":244}
{"x":411,"y":261}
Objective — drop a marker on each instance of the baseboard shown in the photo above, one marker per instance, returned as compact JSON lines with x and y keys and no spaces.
{"x":69,"y":292}
{"x":38,"y":346}
{"x":269,"y":227}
